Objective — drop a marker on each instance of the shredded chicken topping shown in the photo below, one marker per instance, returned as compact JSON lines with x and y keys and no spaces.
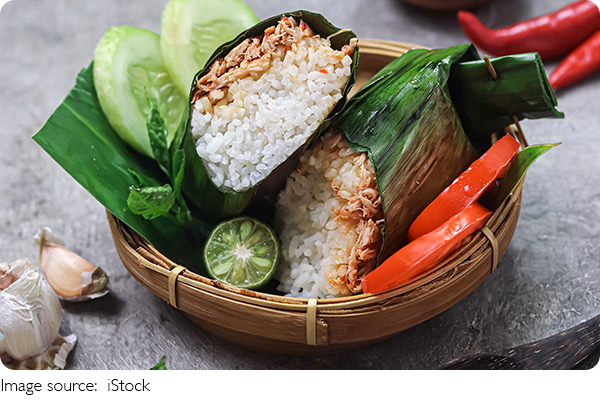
{"x":361,"y":211}
{"x":253,"y":57}
{"x":364,"y":211}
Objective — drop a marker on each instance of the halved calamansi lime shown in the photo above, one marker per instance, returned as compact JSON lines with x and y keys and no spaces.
{"x":242,"y":252}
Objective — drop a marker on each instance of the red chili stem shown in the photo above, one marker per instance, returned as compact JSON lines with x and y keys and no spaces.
{"x":581,"y":62}
{"x":551,"y":35}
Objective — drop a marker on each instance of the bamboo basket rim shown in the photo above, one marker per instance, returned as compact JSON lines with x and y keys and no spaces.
{"x":150,"y":258}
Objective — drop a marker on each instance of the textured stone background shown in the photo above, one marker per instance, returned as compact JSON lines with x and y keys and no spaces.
{"x":547,"y":281}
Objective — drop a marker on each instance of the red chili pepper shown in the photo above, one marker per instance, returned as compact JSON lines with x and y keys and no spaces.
{"x":467,"y":188}
{"x":551,"y":35}
{"x":323,"y":71}
{"x":580,"y":63}
{"x":425,"y":252}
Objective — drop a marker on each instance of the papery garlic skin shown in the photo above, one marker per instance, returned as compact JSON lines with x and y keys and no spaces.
{"x":30,"y":312}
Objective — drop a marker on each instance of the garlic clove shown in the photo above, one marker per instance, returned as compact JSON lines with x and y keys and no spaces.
{"x":72,"y":277}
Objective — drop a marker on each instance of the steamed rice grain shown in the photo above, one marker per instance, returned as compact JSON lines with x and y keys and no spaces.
{"x":329,"y":218}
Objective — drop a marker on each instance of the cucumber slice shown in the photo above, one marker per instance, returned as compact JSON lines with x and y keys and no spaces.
{"x":128,"y":68}
{"x":191,"y":30}
{"x":242,"y":252}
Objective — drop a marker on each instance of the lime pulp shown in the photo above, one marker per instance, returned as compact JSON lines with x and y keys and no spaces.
{"x":242,"y":252}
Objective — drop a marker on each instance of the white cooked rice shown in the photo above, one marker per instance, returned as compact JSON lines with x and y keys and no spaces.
{"x":316,"y":244}
{"x":263,"y":121}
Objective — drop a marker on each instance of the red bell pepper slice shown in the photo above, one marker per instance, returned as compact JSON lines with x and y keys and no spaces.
{"x":425,"y":252}
{"x":467,"y":188}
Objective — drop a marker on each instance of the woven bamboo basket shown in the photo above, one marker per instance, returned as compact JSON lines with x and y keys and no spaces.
{"x":299,"y":326}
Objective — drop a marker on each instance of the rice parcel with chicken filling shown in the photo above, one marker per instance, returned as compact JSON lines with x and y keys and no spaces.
{"x":264,"y":100}
{"x":354,"y":193}
{"x":400,"y":141}
{"x":329,"y":217}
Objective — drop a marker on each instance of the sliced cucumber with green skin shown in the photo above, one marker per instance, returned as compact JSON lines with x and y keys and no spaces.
{"x":191,"y":30}
{"x":128,"y":68}
{"x":242,"y":252}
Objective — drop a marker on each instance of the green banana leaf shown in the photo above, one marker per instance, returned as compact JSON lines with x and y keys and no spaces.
{"x":413,"y":125}
{"x":518,"y":168}
{"x":404,"y":118}
{"x":216,"y":203}
{"x":79,"y":137}
{"x":485,"y":104}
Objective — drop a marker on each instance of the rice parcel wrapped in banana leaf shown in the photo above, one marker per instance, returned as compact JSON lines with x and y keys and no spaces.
{"x":258,"y":103}
{"x":398,"y":143}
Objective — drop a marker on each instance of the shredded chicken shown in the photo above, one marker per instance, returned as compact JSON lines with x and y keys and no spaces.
{"x":363,"y":213}
{"x":253,"y":56}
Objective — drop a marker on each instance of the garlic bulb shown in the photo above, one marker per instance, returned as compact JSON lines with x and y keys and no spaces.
{"x":72,"y":277}
{"x":30,"y":312}
{"x":54,"y":357}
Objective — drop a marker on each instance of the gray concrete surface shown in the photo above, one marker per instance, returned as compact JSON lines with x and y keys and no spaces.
{"x":548,"y":280}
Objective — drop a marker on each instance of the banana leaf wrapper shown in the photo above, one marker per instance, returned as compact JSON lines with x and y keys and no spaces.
{"x":485,"y":104}
{"x":81,"y":140}
{"x":217,"y":203}
{"x":418,"y":132}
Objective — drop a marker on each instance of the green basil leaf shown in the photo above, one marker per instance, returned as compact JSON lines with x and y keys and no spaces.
{"x":151,"y":202}
{"x":518,"y":168}
{"x":178,"y":171}
{"x":182,"y":213}
{"x":142,"y":179}
{"x":161,"y":365}
{"x":157,"y":133}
